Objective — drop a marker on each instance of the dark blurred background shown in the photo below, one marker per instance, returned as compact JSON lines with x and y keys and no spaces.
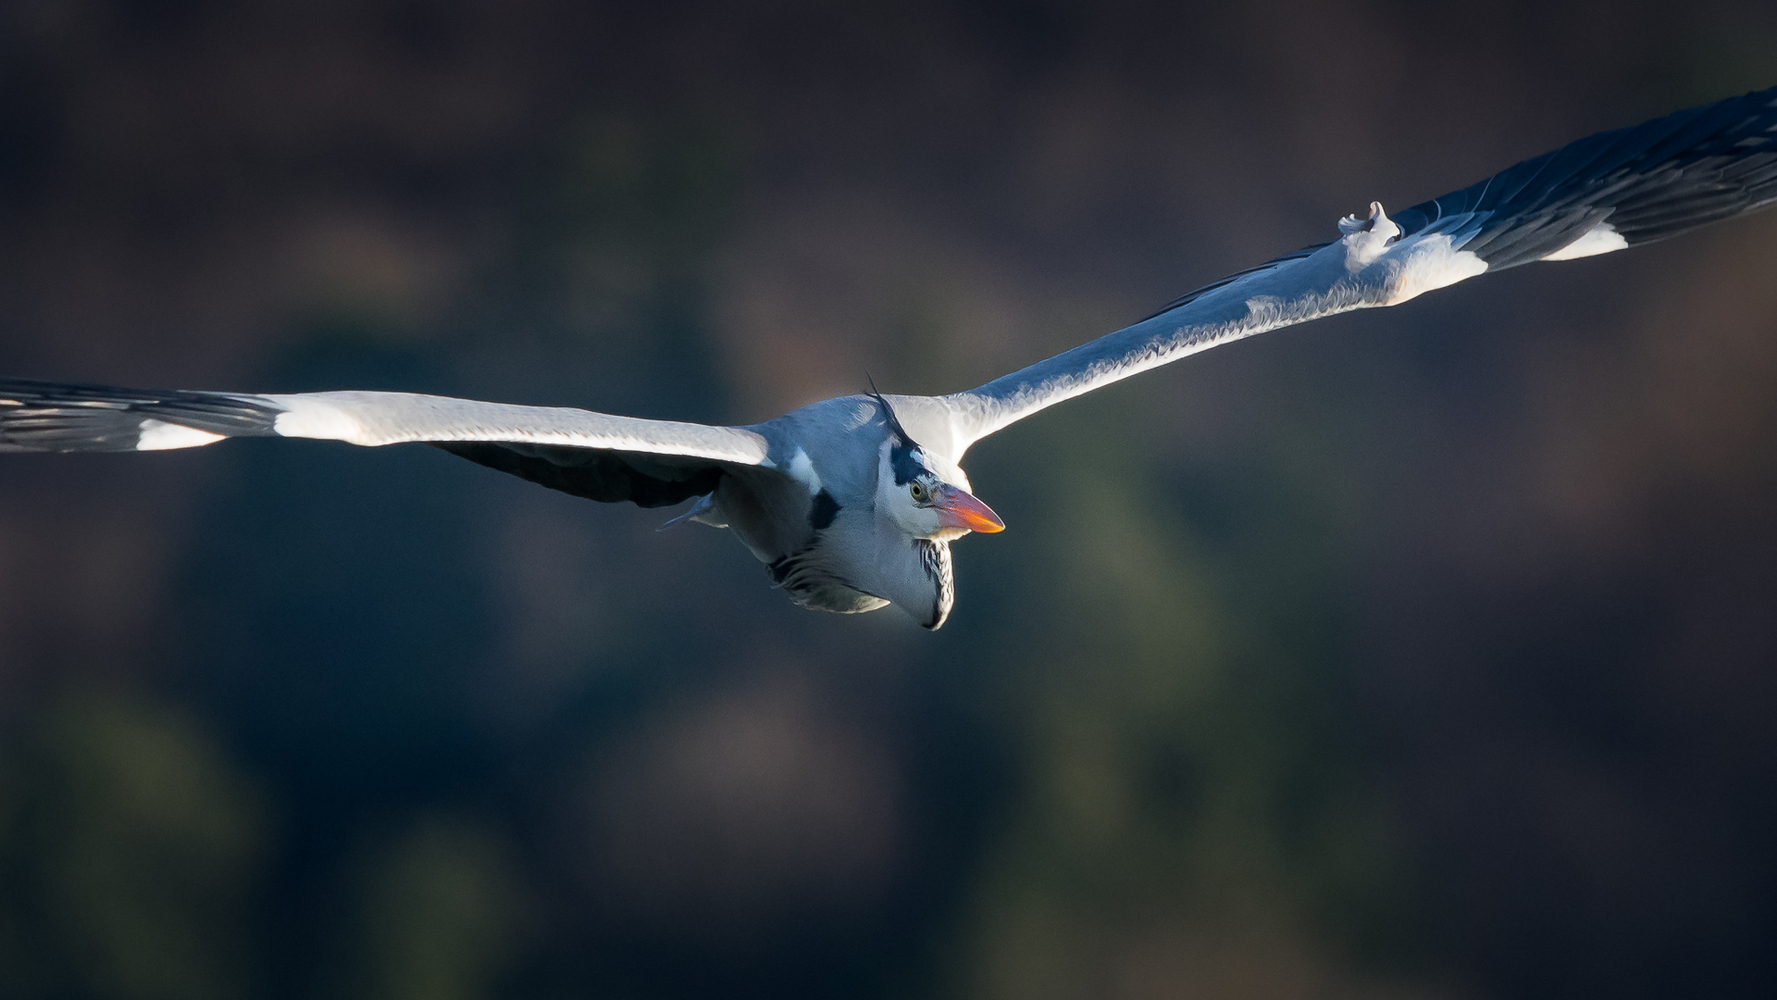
{"x":1425,"y":652}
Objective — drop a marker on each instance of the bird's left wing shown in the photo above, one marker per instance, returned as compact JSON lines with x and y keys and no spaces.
{"x":1606,"y":192}
{"x":596,"y":455}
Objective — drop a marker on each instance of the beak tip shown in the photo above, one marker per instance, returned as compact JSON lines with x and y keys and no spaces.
{"x":961,"y":510}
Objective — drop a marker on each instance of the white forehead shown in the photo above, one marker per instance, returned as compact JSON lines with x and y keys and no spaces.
{"x":947,"y":470}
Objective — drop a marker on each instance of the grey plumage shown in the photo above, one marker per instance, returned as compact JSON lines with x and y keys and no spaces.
{"x":852,"y":503}
{"x":1605,"y":192}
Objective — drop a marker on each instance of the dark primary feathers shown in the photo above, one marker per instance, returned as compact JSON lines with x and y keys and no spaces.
{"x":1599,"y":194}
{"x":51,"y":416}
{"x":1648,"y":182}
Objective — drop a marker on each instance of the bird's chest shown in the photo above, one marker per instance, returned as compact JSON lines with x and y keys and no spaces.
{"x":778,"y":515}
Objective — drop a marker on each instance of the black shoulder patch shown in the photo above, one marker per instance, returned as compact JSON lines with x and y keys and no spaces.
{"x":822,"y":511}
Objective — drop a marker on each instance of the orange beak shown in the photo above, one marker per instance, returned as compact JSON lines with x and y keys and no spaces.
{"x":957,"y":509}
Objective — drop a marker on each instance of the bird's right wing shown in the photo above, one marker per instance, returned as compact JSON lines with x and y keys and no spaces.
{"x":1606,"y":192}
{"x":595,"y":455}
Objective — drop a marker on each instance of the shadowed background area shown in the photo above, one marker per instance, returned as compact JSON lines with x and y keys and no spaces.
{"x":1423,"y":652}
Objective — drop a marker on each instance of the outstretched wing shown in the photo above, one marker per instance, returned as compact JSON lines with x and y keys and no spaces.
{"x":1603,"y":193}
{"x":595,"y":455}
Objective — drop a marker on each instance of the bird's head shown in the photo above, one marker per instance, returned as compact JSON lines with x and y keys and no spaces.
{"x":926,"y":495}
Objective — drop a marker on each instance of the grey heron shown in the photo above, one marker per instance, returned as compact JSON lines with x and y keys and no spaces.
{"x":852,"y":503}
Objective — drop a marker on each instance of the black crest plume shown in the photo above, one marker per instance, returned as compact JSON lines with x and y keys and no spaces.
{"x":901,"y":459}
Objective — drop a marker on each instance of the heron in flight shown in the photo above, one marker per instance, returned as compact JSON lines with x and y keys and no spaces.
{"x":852,"y":503}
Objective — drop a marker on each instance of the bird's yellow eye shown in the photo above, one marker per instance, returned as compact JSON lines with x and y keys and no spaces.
{"x":918,"y":491}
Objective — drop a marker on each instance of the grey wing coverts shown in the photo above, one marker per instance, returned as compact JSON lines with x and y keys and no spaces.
{"x":652,"y":463}
{"x":1606,"y":192}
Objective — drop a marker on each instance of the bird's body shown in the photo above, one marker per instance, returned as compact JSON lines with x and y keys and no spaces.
{"x":852,"y":503}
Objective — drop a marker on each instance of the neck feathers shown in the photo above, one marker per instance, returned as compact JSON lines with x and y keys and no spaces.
{"x":934,"y":562}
